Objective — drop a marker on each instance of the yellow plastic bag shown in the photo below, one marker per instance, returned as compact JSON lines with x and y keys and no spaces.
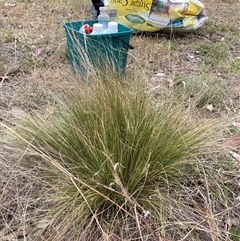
{"x":156,"y":15}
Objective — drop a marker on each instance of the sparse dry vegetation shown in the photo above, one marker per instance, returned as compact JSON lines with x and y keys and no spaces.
{"x":146,"y":157}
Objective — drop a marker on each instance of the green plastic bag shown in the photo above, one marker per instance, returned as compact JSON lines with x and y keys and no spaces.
{"x":156,"y":15}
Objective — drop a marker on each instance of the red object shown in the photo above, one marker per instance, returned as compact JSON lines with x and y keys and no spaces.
{"x":88,"y":29}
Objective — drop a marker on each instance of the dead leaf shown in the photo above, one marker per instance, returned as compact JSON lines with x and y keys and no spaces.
{"x":235,"y":155}
{"x":233,"y":141}
{"x":38,"y":52}
{"x":10,"y":4}
{"x":236,"y":124}
{"x":210,"y":107}
{"x":170,"y":83}
{"x":159,"y":75}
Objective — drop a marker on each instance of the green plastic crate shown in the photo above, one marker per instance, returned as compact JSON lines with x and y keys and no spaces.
{"x":102,"y":52}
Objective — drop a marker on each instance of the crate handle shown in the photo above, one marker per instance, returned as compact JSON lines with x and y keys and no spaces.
{"x":129,"y":45}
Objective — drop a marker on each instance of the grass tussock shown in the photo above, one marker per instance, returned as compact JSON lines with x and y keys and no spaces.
{"x":112,"y":153}
{"x":103,"y":159}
